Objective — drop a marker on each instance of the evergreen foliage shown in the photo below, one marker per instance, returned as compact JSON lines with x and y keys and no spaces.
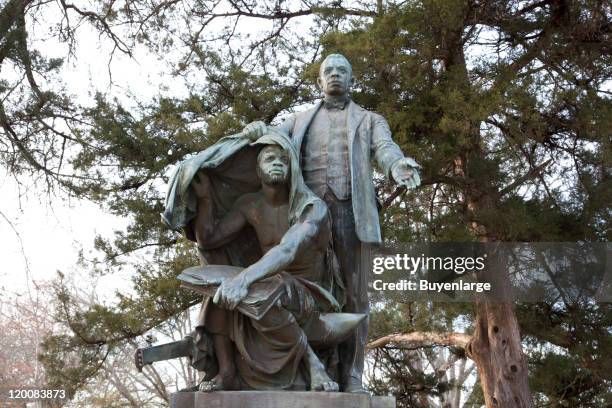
{"x":506,"y":105}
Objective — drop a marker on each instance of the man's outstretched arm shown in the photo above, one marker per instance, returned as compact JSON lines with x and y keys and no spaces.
{"x":403,"y":170}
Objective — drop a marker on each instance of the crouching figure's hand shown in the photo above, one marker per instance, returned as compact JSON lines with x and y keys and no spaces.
{"x":231,"y":292}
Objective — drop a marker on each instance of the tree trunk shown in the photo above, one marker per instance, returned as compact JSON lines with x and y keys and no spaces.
{"x":496,"y":349}
{"x":495,"y":345}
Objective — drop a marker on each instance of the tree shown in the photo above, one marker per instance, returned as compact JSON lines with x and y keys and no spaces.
{"x":24,"y":322}
{"x":113,"y":379}
{"x":425,"y":367}
{"x":505,"y":105}
{"x":39,"y":121}
{"x":476,"y":129}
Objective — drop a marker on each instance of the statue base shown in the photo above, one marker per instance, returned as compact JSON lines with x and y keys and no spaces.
{"x":277,"y":399}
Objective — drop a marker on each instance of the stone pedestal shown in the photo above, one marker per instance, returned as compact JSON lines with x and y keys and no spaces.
{"x":276,"y":399}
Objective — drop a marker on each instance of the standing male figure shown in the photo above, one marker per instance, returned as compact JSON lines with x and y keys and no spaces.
{"x":336,"y":140}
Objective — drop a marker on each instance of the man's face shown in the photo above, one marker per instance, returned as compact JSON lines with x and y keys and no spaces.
{"x":335,"y":77}
{"x":273,"y":165}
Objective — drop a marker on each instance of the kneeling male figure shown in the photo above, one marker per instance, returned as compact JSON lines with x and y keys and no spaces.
{"x":293,"y":229}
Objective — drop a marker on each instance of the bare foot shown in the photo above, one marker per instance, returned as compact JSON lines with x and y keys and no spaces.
{"x":218,"y":383}
{"x":319,"y":380}
{"x":326,"y":386}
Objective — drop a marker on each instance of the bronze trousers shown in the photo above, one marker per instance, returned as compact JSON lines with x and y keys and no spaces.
{"x":348,"y":251}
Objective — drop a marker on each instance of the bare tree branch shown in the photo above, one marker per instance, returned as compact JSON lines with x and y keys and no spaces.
{"x":422,"y":339}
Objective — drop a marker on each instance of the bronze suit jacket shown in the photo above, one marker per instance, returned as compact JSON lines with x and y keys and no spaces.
{"x":369,"y":137}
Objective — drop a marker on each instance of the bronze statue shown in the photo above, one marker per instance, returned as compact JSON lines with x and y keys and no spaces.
{"x":298,"y":250}
{"x":258,"y":337}
{"x":337,"y":140}
{"x":277,"y":214}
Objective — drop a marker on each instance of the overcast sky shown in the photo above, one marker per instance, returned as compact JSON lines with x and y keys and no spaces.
{"x":49,"y":231}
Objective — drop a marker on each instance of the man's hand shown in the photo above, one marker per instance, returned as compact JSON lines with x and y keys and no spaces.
{"x":201,"y":185}
{"x":231,"y":292}
{"x":405,"y":172}
{"x":255,"y":130}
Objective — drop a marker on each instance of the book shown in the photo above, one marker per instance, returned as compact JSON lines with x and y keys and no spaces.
{"x":206,"y":279}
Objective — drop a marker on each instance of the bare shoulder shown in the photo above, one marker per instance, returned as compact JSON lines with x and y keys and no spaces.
{"x":317,"y":212}
{"x":247,"y":201}
{"x":316,"y":219}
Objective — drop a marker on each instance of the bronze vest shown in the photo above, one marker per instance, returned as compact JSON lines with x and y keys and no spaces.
{"x":325,"y":156}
